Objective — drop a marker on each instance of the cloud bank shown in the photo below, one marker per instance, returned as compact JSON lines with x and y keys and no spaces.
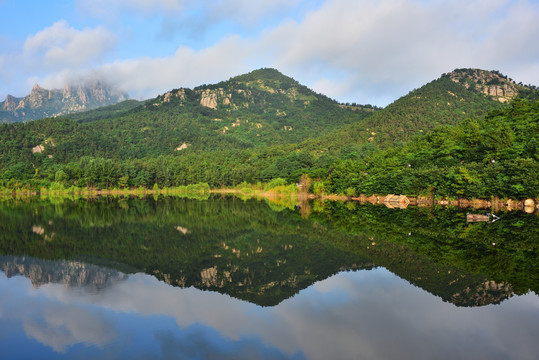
{"x":60,"y":45}
{"x":362,"y":51}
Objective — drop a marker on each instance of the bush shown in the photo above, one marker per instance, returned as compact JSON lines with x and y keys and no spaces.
{"x":319,"y":188}
{"x":274,"y":183}
{"x":350,"y":191}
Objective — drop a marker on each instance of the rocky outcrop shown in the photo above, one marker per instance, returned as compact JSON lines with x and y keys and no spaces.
{"x":490,"y":83}
{"x":171,"y":94}
{"x":213,"y":98}
{"x":209,"y":98}
{"x":183,"y":146}
{"x":11,"y":103}
{"x":42,"y":103}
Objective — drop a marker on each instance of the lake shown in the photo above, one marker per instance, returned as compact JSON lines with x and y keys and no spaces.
{"x":225,"y":278}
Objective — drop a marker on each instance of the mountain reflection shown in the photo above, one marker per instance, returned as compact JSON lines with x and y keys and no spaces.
{"x":72,"y":274}
{"x":247,"y":250}
{"x":360,"y":314}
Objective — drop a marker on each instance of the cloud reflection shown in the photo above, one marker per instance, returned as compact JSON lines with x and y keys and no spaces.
{"x":365,"y":314}
{"x":56,"y":325}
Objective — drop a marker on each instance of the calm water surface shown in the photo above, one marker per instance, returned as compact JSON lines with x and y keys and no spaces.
{"x":225,"y":278}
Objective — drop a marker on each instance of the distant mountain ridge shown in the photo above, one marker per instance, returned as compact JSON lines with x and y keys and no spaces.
{"x":72,"y":274}
{"x":42,"y":102}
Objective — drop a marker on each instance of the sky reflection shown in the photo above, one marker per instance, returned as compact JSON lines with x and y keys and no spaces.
{"x":364,"y":314}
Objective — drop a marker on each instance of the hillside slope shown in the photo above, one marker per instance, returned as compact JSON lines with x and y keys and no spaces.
{"x":455,"y":96}
{"x":261,"y":108}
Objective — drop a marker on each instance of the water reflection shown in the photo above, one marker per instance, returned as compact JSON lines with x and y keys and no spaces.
{"x":73,"y":274}
{"x":363,"y":314}
{"x":225,"y":278}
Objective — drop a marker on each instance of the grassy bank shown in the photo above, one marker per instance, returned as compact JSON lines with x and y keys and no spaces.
{"x":277,"y":193}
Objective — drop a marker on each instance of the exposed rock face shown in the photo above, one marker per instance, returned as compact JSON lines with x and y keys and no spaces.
{"x":213,"y":98}
{"x":49,"y":103}
{"x":209,"y":99}
{"x":179,"y":94}
{"x":492,"y":84}
{"x":38,"y":149}
{"x":11,"y":103}
{"x":183,"y":147}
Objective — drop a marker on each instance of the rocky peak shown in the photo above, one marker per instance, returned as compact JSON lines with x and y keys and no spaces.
{"x":245,"y":90}
{"x":72,"y":98}
{"x":485,"y":293}
{"x":91,"y":91}
{"x":37,"y":88}
{"x":37,"y":96}
{"x":10,"y":103}
{"x":491,"y":83}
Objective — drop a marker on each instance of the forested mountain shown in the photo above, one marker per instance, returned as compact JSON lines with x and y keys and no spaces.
{"x":496,"y":155}
{"x":264,"y":125}
{"x":260,"y":108}
{"x":42,"y":103}
{"x":455,"y":96}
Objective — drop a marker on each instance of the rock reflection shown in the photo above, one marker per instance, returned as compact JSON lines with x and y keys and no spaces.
{"x":71,"y":274}
{"x":486,"y":293}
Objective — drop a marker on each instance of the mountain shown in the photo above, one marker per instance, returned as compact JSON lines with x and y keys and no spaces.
{"x":257,"y":109}
{"x":42,"y":103}
{"x":264,"y":125}
{"x":262,"y":107}
{"x":455,"y":96}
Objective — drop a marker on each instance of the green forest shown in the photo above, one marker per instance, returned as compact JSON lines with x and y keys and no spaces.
{"x":445,"y":139}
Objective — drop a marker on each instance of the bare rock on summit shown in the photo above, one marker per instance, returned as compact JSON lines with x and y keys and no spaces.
{"x":11,"y":103}
{"x":490,"y":83}
{"x":42,"y":102}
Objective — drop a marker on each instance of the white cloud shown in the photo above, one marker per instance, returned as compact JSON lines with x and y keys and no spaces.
{"x":61,"y":45}
{"x":142,"y":7}
{"x":148,"y":77}
{"x":62,"y":326}
{"x":356,"y":51}
{"x":394,"y":46}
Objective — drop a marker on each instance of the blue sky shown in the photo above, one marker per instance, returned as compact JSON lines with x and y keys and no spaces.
{"x":362,"y":51}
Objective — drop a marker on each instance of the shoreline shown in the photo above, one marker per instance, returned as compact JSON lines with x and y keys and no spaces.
{"x":277,"y":195}
{"x":393,"y":201}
